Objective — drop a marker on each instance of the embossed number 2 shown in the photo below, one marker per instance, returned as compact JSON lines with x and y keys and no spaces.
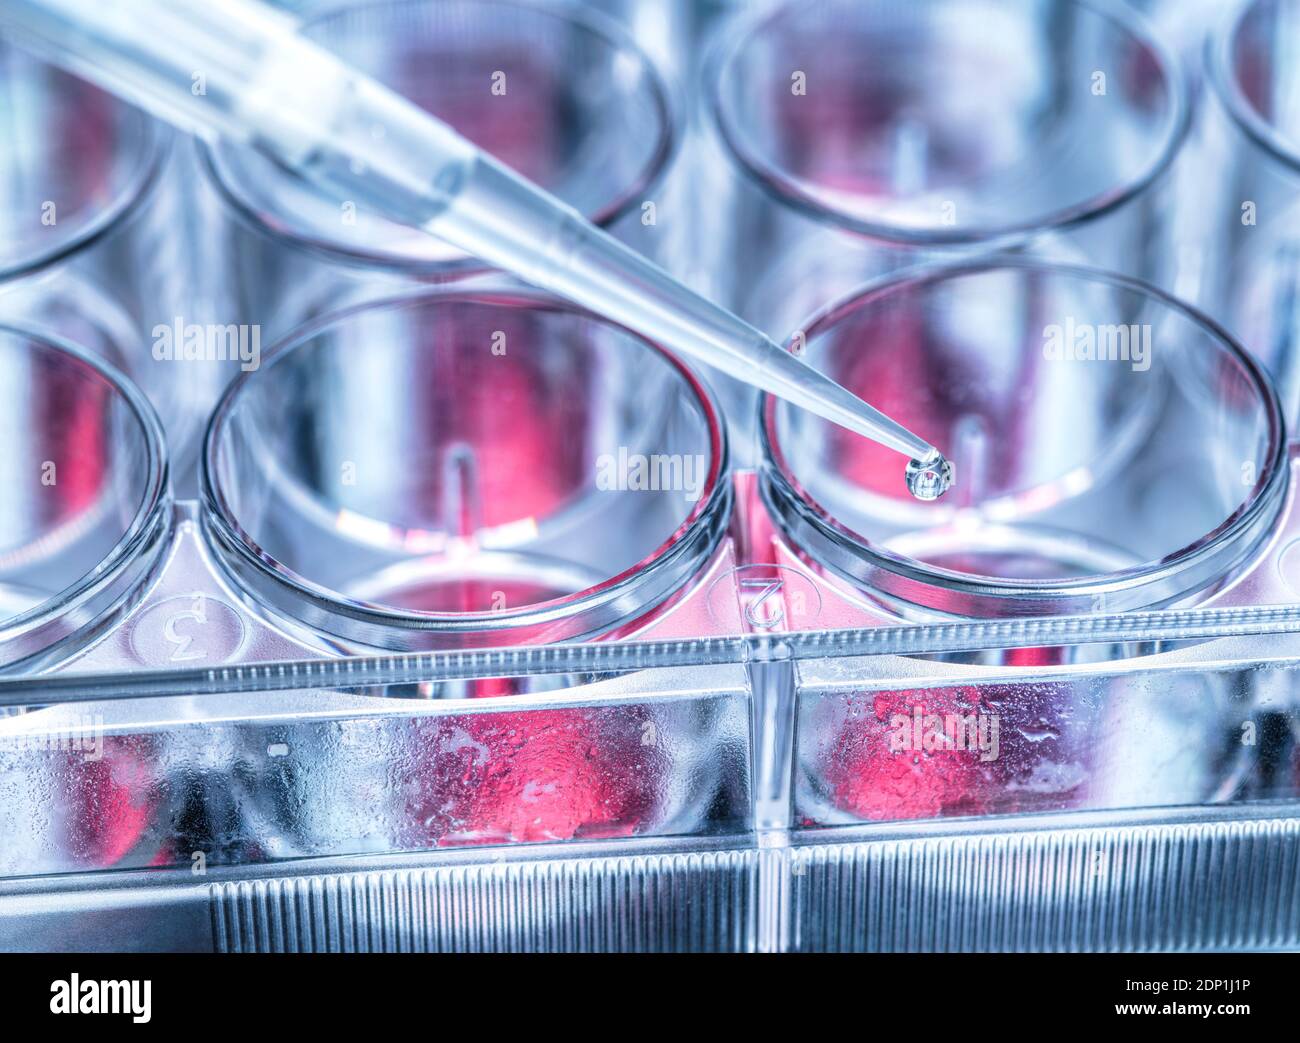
{"x":768,"y":588}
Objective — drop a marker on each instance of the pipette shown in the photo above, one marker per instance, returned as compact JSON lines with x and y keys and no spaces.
{"x":239,"y":70}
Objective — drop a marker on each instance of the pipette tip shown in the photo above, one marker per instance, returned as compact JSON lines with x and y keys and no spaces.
{"x":930,"y":478}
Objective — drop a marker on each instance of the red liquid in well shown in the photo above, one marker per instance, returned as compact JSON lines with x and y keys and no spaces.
{"x":107,"y":803}
{"x":1034,"y":766}
{"x":533,"y":775}
{"x":522,"y":776}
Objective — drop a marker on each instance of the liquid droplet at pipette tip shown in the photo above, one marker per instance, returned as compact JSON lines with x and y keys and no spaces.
{"x":930,"y":478}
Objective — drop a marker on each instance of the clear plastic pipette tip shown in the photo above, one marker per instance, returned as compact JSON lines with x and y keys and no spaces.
{"x":315,"y":116}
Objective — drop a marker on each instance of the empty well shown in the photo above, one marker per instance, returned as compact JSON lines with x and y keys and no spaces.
{"x":465,"y":467}
{"x":82,"y":463}
{"x":1143,"y":475}
{"x":560,"y":96}
{"x":948,"y":121}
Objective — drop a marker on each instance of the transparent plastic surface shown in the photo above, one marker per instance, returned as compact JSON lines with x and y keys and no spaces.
{"x":1251,"y":52}
{"x":93,"y":216}
{"x":83,"y":464}
{"x":1252,"y":116}
{"x":1118,"y":450}
{"x":1005,"y":747}
{"x":81,"y":198}
{"x":502,"y":469}
{"x":555,"y":95}
{"x":1000,"y":124}
{"x":744,"y":748}
{"x":562,"y":97}
{"x":974,"y":121}
{"x":291,"y":775}
{"x":360,"y":142}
